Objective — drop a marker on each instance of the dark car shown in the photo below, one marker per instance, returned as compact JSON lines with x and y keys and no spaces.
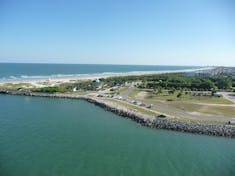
{"x":161,"y":116}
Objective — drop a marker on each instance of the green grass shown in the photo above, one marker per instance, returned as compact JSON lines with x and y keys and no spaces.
{"x":187,"y":103}
{"x":222,"y":111}
{"x":165,"y":96}
{"x":219,"y":111}
{"x":201,"y":121}
{"x":50,"y":89}
{"x":148,"y":112}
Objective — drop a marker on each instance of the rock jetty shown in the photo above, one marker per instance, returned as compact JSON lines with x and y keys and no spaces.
{"x":148,"y":121}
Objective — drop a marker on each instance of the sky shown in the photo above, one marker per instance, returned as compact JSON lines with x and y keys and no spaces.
{"x":140,"y":32}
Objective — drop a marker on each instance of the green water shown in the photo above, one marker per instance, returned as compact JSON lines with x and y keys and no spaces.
{"x":46,"y":137}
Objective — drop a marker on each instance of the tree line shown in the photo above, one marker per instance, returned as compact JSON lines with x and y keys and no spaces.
{"x":170,"y":81}
{"x":177,"y":81}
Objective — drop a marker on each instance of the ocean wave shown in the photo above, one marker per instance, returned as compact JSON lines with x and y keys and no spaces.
{"x":85,"y":75}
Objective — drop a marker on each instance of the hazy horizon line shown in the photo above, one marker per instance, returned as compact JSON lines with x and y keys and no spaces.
{"x":75,"y":63}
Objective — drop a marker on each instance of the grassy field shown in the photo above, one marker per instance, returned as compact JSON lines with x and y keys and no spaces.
{"x":221,"y":111}
{"x":203,"y":105}
{"x":165,"y":96}
{"x":155,"y":113}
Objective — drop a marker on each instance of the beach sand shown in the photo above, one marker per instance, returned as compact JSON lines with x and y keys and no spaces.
{"x":54,"y":81}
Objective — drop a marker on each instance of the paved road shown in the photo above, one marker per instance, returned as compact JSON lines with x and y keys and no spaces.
{"x":228,"y":95}
{"x":126,"y":93}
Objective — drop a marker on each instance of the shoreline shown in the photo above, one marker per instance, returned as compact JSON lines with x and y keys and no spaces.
{"x":144,"y":120}
{"x":52,"y":80}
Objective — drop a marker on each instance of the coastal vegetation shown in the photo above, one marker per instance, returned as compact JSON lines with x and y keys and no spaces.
{"x":190,"y":96}
{"x":171,"y":82}
{"x":176,"y":81}
{"x":158,"y":82}
{"x":50,"y":89}
{"x":179,"y":95}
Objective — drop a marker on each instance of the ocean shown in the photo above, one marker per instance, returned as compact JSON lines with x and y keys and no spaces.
{"x":64,"y":137}
{"x":17,"y":72}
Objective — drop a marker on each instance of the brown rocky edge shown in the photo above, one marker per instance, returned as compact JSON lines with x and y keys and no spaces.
{"x":148,"y":121}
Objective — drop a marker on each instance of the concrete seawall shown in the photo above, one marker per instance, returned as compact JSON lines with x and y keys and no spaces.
{"x":149,"y":121}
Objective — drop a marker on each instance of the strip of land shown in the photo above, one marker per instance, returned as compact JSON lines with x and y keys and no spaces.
{"x":55,"y":81}
{"x":196,"y":102}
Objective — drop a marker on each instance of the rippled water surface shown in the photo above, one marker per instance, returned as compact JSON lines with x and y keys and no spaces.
{"x":46,"y":137}
{"x":17,"y":71}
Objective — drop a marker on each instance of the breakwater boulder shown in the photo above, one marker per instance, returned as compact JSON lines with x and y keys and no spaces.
{"x":171,"y":124}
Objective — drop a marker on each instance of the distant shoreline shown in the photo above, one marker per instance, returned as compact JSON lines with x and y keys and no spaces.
{"x":54,"y":79}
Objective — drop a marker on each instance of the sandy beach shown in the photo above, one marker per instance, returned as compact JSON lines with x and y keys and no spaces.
{"x":60,"y":79}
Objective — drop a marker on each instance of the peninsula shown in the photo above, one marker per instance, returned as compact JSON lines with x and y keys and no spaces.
{"x":201,"y":101}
